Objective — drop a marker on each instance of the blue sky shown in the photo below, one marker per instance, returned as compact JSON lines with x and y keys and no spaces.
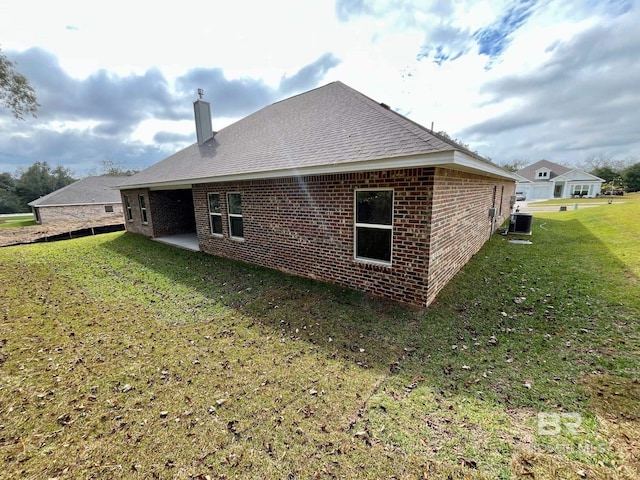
{"x":529,"y":79}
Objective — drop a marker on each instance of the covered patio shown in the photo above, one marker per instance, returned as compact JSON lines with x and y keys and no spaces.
{"x":186,"y":241}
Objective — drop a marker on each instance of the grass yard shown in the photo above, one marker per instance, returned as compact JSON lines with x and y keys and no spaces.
{"x":14,"y":221}
{"x":122,"y":357}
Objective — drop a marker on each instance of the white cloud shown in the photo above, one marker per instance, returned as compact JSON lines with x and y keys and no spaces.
{"x":549,"y":82}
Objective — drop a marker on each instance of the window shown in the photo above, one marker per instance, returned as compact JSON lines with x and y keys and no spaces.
{"x":234,"y":208}
{"x":580,"y":190}
{"x":374,"y":225}
{"x":143,"y":208}
{"x":127,"y":205}
{"x":108,"y":208}
{"x":215,"y":214}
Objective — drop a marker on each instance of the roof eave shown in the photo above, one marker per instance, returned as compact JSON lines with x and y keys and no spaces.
{"x":469,"y":163}
{"x":40,"y":205}
{"x":451,"y":159}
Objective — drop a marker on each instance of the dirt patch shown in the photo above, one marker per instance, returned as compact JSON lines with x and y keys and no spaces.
{"x":36,"y":233}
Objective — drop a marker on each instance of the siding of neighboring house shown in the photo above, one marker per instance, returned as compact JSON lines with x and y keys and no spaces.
{"x":305,"y":226}
{"x":49,"y":214}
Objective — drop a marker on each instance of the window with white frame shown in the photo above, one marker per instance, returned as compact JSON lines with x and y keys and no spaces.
{"x":581,"y":190}
{"x":234,"y":211}
{"x":374,"y":225}
{"x":143,"y":208}
{"x":215,"y":214}
{"x":128,"y":208}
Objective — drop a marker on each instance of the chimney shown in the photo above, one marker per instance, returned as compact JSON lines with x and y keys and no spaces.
{"x":202,"y":111}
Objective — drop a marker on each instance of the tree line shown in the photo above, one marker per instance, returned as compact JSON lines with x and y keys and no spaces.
{"x":40,"y":179}
{"x":30,"y":184}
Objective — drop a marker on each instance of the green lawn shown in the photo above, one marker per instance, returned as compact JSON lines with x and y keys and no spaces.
{"x":121,"y":357}
{"x":11,"y":221}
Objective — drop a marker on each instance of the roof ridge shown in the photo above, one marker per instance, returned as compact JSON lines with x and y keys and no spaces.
{"x":96,"y":183}
{"x":385,"y":110}
{"x":53,"y":194}
{"x":333,"y":127}
{"x":296,"y":95}
{"x":394,"y":116}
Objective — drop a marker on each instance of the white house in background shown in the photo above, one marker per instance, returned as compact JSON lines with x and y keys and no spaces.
{"x":546,"y":180}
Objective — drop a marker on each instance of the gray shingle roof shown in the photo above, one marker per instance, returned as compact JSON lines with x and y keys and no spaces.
{"x":332,"y":125}
{"x":89,"y":190}
{"x":529,"y":172}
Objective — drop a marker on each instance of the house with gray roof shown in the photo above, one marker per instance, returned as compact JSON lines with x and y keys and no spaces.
{"x":330,"y":185}
{"x":545,"y":180}
{"x":91,"y":198}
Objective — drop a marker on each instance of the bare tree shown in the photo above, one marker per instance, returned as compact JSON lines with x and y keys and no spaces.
{"x":515,"y":165}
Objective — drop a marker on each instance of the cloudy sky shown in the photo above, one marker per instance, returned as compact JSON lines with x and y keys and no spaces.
{"x":528,"y":79}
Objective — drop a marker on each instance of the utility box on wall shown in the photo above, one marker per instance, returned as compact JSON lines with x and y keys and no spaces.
{"x":521,"y":223}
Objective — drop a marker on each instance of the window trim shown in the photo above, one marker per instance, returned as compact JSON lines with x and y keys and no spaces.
{"x":582,"y":189}
{"x":108,"y":209}
{"x":234,"y":215}
{"x":128,"y":208}
{"x":357,"y":225}
{"x":143,"y":209}
{"x":211,"y":214}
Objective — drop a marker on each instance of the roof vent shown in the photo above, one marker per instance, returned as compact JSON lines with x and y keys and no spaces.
{"x":202,"y":111}
{"x":384,"y":105}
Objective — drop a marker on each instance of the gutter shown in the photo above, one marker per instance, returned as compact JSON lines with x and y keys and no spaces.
{"x":452,"y":159}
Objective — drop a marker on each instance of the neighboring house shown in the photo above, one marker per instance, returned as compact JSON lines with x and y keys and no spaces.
{"x":329,"y":185}
{"x":545,"y":180}
{"x":87,"y":199}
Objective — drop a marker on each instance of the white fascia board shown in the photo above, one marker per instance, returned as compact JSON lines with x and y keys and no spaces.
{"x":582,"y":176}
{"x":587,"y":176}
{"x":74,"y":204}
{"x":180,"y":186}
{"x":472,"y":164}
{"x":451,"y":159}
{"x":520,"y":178}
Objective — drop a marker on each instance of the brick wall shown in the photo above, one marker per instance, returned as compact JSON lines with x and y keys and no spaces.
{"x":136,"y":225}
{"x":460,"y":221}
{"x":305,"y":226}
{"x":172,"y":212}
{"x":78,"y":212}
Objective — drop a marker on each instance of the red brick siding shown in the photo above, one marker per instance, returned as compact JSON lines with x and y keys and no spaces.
{"x":78,"y":212}
{"x":136,"y":225}
{"x":305,"y":226}
{"x":172,"y":212}
{"x":460,"y":222}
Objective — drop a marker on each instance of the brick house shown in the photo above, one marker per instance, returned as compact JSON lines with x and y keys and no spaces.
{"x":88,"y":199}
{"x":330,"y":185}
